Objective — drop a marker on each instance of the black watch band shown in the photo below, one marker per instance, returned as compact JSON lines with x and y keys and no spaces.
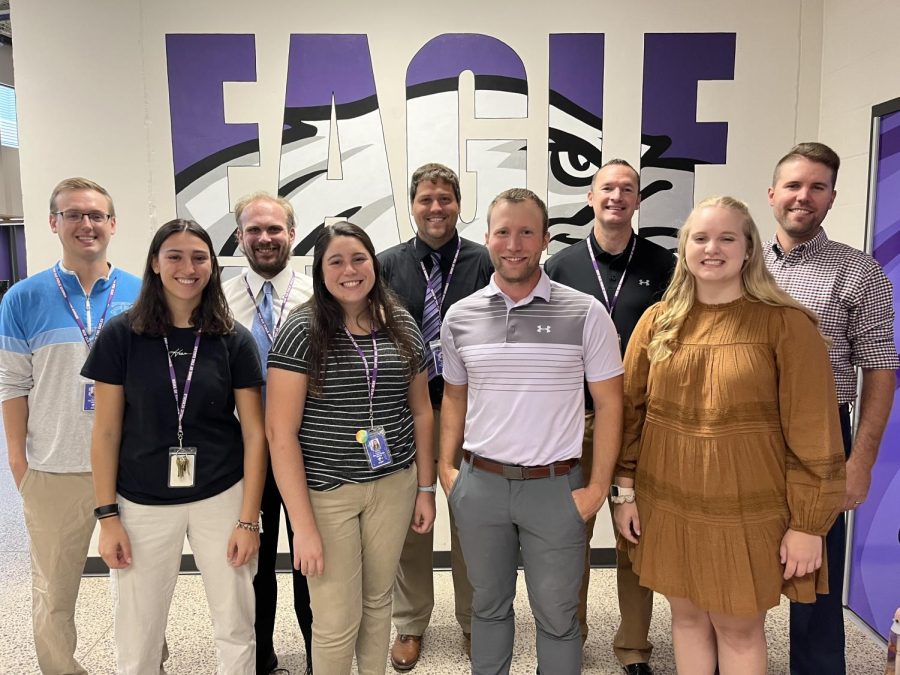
{"x":106,"y":511}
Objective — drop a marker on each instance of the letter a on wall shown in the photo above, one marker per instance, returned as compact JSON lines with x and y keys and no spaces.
{"x":333,"y":74}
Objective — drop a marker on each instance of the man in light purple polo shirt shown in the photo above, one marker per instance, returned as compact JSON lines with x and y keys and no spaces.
{"x":516,"y":355}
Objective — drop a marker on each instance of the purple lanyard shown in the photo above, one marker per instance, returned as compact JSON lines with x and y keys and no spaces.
{"x":449,"y":277}
{"x":88,"y":339}
{"x":372,"y":377}
{"x":187,"y":383}
{"x":611,"y":306}
{"x":274,"y":332}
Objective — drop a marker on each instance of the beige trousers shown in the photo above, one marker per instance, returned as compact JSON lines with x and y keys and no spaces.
{"x":60,"y":520}
{"x":414,"y":586}
{"x":142,"y":593}
{"x":362,"y":528}
{"x":630,"y":643}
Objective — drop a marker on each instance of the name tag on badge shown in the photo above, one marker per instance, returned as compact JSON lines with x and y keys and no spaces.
{"x":437,"y":356}
{"x":88,"y":397}
{"x":182,"y":467}
{"x":375,"y":444}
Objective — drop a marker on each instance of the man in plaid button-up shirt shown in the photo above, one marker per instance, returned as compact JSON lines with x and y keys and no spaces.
{"x":853,"y":298}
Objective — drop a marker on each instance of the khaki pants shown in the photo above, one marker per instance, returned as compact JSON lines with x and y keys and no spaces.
{"x":414,"y":587}
{"x":60,"y":520}
{"x":362,"y":528}
{"x":630,"y":643}
{"x":142,"y":592}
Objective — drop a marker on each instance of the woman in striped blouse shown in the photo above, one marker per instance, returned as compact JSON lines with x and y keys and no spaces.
{"x":349,"y":423}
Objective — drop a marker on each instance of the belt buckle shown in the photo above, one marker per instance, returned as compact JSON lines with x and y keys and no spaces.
{"x":511,"y":472}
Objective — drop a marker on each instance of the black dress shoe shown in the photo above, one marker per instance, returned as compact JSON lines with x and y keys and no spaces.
{"x":638,"y":669}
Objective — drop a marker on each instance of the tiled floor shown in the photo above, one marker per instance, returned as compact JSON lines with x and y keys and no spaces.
{"x":191,"y":646}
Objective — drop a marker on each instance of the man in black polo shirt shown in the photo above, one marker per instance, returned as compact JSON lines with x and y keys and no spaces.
{"x":627,"y":273}
{"x":430,"y":272}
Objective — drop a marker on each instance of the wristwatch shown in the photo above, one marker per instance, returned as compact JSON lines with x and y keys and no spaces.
{"x":620,"y":495}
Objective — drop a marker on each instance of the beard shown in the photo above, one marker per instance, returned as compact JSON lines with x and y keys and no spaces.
{"x":269,"y":267}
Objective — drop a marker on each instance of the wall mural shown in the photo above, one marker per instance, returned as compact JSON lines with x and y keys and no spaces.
{"x":334,"y":161}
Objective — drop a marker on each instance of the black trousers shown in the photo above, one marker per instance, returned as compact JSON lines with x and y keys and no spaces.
{"x":817,"y":630}
{"x":265,"y":585}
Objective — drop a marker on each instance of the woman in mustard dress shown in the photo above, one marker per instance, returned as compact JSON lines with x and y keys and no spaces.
{"x":732,"y":447}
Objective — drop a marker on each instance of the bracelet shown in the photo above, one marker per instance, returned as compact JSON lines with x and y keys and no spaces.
{"x":250,"y":527}
{"x":426,"y":488}
{"x":106,"y":511}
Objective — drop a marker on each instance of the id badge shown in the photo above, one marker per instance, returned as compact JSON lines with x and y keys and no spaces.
{"x":375,"y":444}
{"x":182,"y":467}
{"x":88,"y":397}
{"x":437,"y":356}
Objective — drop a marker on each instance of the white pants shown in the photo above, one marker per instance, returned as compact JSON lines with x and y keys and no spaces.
{"x":142,"y":593}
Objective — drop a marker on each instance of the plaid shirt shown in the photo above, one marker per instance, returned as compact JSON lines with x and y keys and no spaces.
{"x":853,"y":298}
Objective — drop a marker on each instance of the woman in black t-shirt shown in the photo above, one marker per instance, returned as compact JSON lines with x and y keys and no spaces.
{"x":349,"y":423}
{"x":170,"y":459}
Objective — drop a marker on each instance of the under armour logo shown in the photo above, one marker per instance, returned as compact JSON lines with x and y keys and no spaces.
{"x":543,"y":329}
{"x":643,"y":282}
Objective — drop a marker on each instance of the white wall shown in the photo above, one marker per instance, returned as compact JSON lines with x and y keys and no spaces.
{"x":102,"y":111}
{"x":860,"y":57}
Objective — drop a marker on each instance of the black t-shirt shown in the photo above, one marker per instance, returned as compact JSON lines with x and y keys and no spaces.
{"x":150,"y":421}
{"x":646,"y":278}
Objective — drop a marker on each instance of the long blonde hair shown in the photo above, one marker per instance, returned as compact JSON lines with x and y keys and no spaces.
{"x":757,"y":282}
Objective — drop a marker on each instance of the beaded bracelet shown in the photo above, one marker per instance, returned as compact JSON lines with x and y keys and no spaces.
{"x":250,"y":527}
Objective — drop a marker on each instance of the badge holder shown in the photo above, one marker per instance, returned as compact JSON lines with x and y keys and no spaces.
{"x":182,"y":467}
{"x":88,"y":397}
{"x":375,"y":444}
{"x":437,"y":356}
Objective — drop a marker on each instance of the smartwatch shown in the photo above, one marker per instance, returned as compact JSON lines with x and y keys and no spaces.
{"x":620,"y":495}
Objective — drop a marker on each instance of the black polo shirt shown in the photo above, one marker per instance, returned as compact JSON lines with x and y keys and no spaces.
{"x":646,"y":278}
{"x":401,"y":268}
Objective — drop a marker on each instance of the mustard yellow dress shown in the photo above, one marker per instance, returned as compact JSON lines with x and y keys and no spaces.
{"x":731,"y":440}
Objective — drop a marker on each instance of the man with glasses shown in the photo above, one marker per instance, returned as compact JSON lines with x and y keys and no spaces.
{"x":48,"y":324}
{"x":260,"y":299}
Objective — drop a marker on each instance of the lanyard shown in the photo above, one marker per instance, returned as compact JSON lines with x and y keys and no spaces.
{"x":88,"y":339}
{"x":274,"y":332}
{"x":187,"y":383}
{"x":449,"y":276}
{"x":372,"y":377}
{"x":611,"y":306}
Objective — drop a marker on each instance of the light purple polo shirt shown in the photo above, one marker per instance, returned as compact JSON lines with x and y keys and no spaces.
{"x":525,"y":364}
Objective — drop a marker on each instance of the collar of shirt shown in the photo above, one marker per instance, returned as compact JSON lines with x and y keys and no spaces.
{"x":611,"y":259}
{"x":279,"y":282}
{"x":422,"y":251}
{"x":542,"y":290}
{"x":804,"y":250}
{"x":102,"y":280}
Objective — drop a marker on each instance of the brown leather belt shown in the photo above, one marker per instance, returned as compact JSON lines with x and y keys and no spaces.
{"x":518,"y":472}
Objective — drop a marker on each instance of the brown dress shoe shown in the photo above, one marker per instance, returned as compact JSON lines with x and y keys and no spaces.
{"x":405,"y":652}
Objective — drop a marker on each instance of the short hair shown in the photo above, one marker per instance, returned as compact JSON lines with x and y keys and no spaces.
{"x":814,"y":152}
{"x":77,"y":183}
{"x":617,"y":162}
{"x":263,"y":196}
{"x":516,"y":196}
{"x":433,"y":172}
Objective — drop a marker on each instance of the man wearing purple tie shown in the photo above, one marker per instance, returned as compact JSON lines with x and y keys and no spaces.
{"x":260,"y":299}
{"x":430,"y":272}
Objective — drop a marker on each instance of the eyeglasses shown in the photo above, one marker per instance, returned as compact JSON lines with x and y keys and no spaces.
{"x":77,"y":216}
